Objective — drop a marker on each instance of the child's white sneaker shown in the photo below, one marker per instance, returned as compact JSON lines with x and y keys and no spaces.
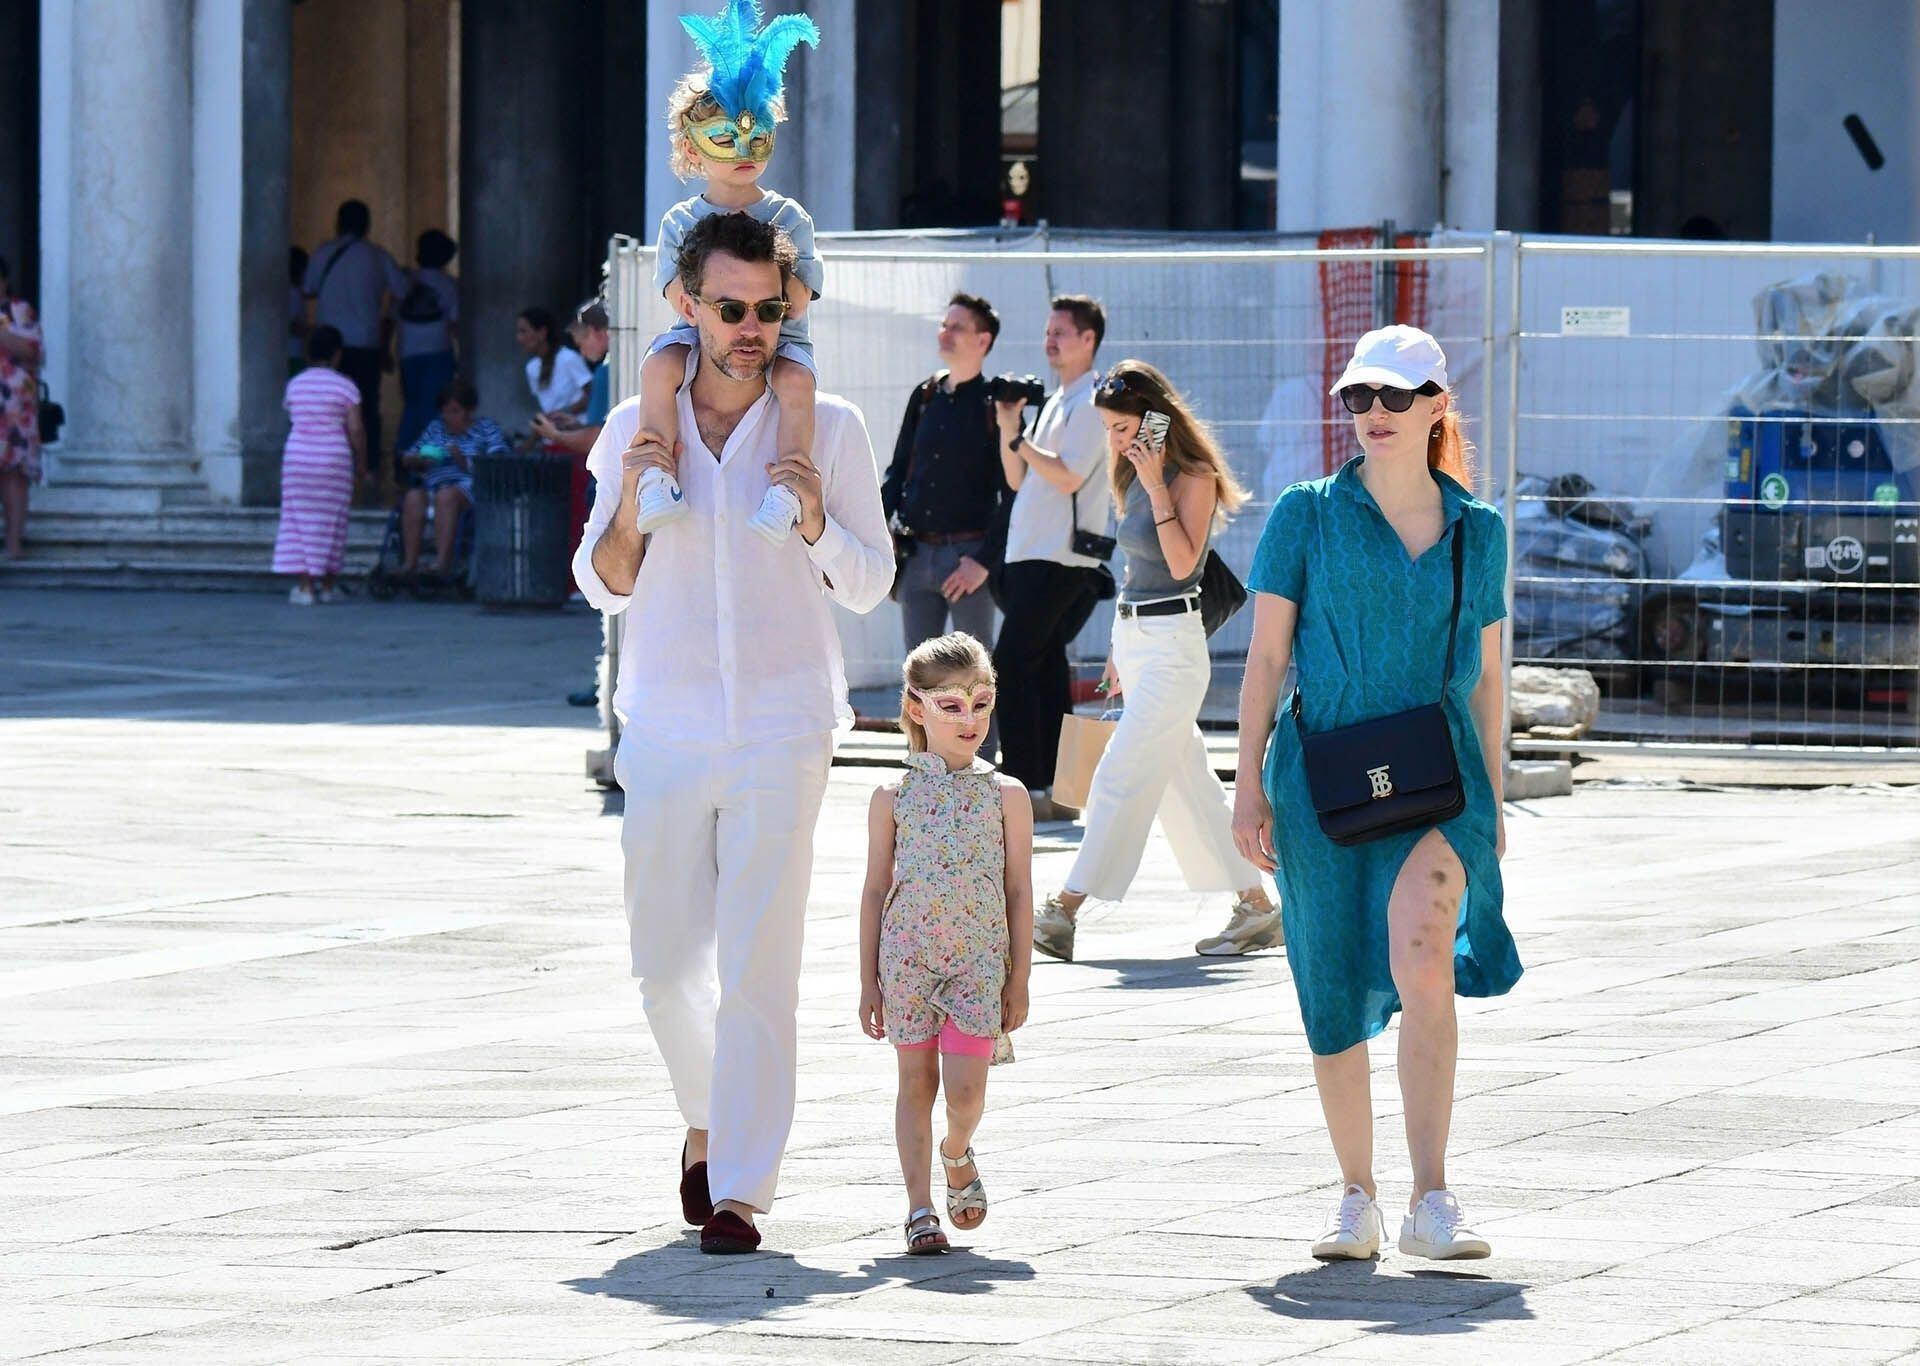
{"x":778,"y":515}
{"x":660,"y":499}
{"x":1355,"y":1230}
{"x":300,"y":597}
{"x":1436,"y":1228}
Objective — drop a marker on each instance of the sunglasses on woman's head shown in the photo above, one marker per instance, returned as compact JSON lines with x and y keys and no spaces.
{"x":1359,"y":397}
{"x":1112,"y":386}
{"x":958,"y":704}
{"x":733,"y":311}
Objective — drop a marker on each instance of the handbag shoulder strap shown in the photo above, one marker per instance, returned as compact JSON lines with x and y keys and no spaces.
{"x":1453,"y":618}
{"x":333,"y":261}
{"x":923,"y":393}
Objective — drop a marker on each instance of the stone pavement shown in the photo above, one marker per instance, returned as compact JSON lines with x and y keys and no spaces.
{"x":317,"y":1046}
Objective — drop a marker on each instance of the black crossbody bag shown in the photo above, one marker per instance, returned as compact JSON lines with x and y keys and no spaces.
{"x":1221,"y":593}
{"x":1394,"y":773}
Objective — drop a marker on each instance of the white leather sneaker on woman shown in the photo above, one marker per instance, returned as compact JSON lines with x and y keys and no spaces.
{"x":1436,"y":1228}
{"x":1354,"y":1231}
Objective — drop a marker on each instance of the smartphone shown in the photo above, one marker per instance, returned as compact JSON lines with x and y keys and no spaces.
{"x":1153,"y":430}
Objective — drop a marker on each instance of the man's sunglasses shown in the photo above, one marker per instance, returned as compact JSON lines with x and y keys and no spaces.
{"x":734,"y":311}
{"x":1359,"y":397}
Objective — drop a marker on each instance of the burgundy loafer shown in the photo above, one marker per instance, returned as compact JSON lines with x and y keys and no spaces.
{"x":696,"y":1204}
{"x":727,"y":1233}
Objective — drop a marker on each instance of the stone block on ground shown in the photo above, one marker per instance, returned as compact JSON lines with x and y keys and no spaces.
{"x":1566,"y":699}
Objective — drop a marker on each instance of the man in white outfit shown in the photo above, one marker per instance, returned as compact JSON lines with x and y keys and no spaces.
{"x":731,"y":688}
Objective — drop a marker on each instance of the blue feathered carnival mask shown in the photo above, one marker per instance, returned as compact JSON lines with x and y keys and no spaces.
{"x":749,"y":66}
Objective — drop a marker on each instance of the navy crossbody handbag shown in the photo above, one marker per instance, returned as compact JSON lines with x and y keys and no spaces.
{"x":1394,"y":773}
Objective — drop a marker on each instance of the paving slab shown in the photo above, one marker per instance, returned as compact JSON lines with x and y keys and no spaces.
{"x":318,"y":1045}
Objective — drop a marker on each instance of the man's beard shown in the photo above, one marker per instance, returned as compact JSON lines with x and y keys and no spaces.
{"x":723,"y":359}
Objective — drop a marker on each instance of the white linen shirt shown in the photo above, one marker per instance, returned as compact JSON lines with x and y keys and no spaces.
{"x":1041,"y":524}
{"x":726,"y":640}
{"x":569,"y":380}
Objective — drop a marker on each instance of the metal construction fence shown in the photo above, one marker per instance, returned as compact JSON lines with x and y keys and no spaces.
{"x":1714,"y":502}
{"x":1708,"y":469}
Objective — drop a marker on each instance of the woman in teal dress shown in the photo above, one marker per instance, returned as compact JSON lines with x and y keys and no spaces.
{"x":1353,"y":584}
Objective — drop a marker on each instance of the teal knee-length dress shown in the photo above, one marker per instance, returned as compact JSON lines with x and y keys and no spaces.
{"x":1369,"y":642}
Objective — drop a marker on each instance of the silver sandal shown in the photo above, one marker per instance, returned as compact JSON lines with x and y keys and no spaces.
{"x":923,"y":1232}
{"x":972,"y":1196}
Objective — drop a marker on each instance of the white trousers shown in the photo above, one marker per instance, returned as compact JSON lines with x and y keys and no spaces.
{"x":719,"y":855}
{"x":1156,"y":764}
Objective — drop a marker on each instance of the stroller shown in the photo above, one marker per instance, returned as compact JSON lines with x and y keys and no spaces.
{"x":385,"y":581}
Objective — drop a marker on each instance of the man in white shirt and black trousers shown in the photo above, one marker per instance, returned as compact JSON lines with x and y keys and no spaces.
{"x":731,"y":688}
{"x":1058,"y":472}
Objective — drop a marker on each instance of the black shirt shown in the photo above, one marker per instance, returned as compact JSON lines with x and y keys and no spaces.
{"x":946,"y":477}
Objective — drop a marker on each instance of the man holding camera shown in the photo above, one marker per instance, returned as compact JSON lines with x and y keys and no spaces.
{"x":945,"y":491}
{"x":1062,"y":499}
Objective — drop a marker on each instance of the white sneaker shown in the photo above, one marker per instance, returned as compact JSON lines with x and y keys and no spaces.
{"x":1053,"y":930}
{"x":779,"y":514}
{"x":660,"y":499}
{"x":1437,"y":1229}
{"x":300,"y":597}
{"x":1250,"y":927}
{"x":326,"y":597}
{"x":1355,"y":1230}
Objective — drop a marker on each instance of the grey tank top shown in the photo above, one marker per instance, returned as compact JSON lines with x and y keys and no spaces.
{"x":1147,"y":574}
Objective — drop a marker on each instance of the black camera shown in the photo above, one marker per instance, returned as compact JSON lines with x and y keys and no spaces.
{"x":1026,"y":388}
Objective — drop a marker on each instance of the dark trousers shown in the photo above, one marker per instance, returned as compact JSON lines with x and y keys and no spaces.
{"x":361,"y":364}
{"x":925,"y":611}
{"x":1044,"y":606}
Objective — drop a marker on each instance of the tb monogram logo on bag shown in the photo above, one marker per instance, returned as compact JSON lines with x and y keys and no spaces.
{"x":1382,"y":782}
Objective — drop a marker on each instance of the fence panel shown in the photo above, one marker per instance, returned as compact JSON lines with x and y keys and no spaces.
{"x":1251,"y":334}
{"x":1711,"y":486}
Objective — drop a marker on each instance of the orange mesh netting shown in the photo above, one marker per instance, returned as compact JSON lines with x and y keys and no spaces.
{"x":1346,"y":310}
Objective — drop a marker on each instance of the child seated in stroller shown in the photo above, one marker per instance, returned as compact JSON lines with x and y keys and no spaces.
{"x":442,"y":462}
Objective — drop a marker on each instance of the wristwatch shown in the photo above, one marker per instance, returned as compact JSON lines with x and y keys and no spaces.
{"x":1019,"y":440}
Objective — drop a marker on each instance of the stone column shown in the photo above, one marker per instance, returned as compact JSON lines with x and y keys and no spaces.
{"x":1470,"y":187}
{"x":120,"y":111}
{"x":242,"y":61}
{"x":267,"y":156}
{"x":815,"y":158}
{"x":1361,"y":135}
{"x":524,"y":158}
{"x":1111,"y":138}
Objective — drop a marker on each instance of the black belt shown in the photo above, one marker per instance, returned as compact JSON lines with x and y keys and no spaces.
{"x":1162,"y":607}
{"x":948,"y":537}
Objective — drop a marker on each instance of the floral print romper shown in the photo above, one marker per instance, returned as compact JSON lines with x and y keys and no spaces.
{"x":943,"y":932}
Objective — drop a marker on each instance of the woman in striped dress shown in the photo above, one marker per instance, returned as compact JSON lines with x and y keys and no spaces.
{"x":326,"y":453}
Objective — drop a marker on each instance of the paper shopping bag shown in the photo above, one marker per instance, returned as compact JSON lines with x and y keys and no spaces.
{"x":1083,"y":739}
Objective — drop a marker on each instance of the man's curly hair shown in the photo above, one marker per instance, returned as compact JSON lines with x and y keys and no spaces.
{"x":740,"y":236}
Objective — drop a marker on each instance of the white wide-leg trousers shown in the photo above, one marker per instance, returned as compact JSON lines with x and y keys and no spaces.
{"x":1156,"y":764}
{"x":719,"y":855}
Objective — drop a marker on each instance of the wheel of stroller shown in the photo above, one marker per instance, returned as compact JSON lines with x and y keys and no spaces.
{"x":381,"y":587}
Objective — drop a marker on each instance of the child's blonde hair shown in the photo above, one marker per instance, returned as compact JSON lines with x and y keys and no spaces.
{"x":692,"y":101}
{"x":935,"y":663}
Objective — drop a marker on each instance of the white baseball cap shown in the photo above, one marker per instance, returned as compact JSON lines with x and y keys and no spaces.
{"x":1399,"y":356}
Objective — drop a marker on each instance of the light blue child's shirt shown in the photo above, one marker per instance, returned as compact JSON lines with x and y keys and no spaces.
{"x":785,"y":214}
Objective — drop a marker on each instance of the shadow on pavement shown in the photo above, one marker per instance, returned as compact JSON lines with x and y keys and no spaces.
{"x":678,"y":1279}
{"x":1175,"y":972}
{"x":1429,"y":1301}
{"x":227,"y":658}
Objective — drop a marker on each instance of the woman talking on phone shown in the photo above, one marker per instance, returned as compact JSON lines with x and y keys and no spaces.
{"x":1173,"y":490}
{"x":1384,"y":586}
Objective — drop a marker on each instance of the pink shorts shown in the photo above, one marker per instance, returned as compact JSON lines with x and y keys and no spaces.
{"x":955,"y":1041}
